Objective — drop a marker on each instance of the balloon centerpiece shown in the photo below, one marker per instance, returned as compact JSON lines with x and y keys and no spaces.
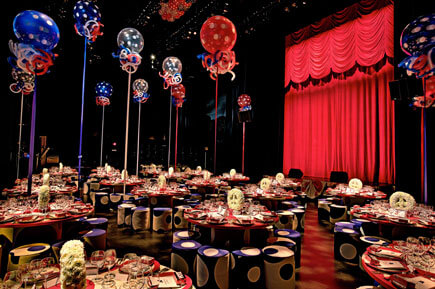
{"x":130,"y":42}
{"x":418,"y":42}
{"x":38,"y":34}
{"x":140,"y":88}
{"x":172,"y":68}
{"x":218,"y":36}
{"x":173,"y":9}
{"x":88,"y":17}
{"x":104,"y":91}
{"x":178,"y":94}
{"x":244,"y":101}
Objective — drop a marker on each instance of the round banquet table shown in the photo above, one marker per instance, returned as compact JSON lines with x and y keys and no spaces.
{"x":384,"y":278}
{"x":158,"y":270}
{"x":11,"y":230}
{"x":163,"y":196}
{"x":229,"y":230}
{"x":396,"y":229}
{"x":54,"y":190}
{"x":271,"y":201}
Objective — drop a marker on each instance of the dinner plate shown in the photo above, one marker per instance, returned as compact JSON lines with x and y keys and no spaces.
{"x":124,"y":268}
{"x":58,"y":216}
{"x":6,"y":219}
{"x":197,"y":218}
{"x":214,"y":222}
{"x":30,"y":219}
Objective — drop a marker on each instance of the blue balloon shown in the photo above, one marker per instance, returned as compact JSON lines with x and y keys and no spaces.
{"x":85,"y":11}
{"x":37,"y":29}
{"x":104,"y":89}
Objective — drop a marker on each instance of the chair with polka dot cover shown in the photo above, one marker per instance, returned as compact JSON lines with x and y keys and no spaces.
{"x":337,"y":213}
{"x":101,"y":202}
{"x":185,"y":235}
{"x":297,"y":238}
{"x":285,"y":219}
{"x":183,"y":257}
{"x":97,"y":223}
{"x":95,"y":240}
{"x":140,"y":218}
{"x":124,"y":214}
{"x":115,"y":200}
{"x":299,"y":219}
{"x":346,"y":243}
{"x":212,"y":268}
{"x":323,"y":211}
{"x":279,"y":267}
{"x":26,"y":253}
{"x":179,"y":221}
{"x":162,"y":219}
{"x":247,"y":268}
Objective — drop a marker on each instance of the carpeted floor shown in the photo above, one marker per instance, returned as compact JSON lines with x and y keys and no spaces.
{"x":318,"y":269}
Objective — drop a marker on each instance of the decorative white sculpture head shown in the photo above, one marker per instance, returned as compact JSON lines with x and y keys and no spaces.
{"x":108,"y":169}
{"x":235,"y":199}
{"x":106,"y":165}
{"x":198,"y":169}
{"x":280,"y":177}
{"x":187,"y":170}
{"x":355,"y":184}
{"x":44,"y":171}
{"x":162,"y":182}
{"x":232,"y":173}
{"x":402,"y":201}
{"x":60,"y":167}
{"x":124,"y":175}
{"x":46,"y":180}
{"x":265,"y":184}
{"x":153,"y":168}
{"x":170,"y":171}
{"x":206,"y":175}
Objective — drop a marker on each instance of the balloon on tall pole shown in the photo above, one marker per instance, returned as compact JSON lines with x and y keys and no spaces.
{"x":178,"y":93}
{"x":24,"y":84}
{"x":418,"y":42}
{"x":130,"y":42}
{"x":244,"y":102}
{"x":140,"y":95}
{"x":103,"y":90}
{"x":38,"y":34}
{"x":218,"y":36}
{"x":172,"y":68}
{"x":87,"y":17}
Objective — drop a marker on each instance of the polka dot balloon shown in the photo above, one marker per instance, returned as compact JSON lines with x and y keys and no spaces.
{"x":418,"y":35}
{"x":131,"y":38}
{"x":85,"y":11}
{"x":104,"y":89}
{"x":218,"y":33}
{"x":244,"y":100}
{"x":37,"y":29}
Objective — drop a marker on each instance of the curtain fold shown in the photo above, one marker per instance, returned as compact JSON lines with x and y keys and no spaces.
{"x":364,"y":42}
{"x":341,"y":117}
{"x":344,"y":125}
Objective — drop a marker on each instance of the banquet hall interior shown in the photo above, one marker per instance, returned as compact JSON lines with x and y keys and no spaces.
{"x":218,"y":144}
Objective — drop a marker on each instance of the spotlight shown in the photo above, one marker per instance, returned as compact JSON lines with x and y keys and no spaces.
{"x":153,"y":56}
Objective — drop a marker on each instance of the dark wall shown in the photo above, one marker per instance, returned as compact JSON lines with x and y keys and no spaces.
{"x":408,"y":119}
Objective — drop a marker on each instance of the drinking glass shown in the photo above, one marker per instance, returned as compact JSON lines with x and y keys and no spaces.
{"x":109,"y":284}
{"x":35,"y":269}
{"x":97,"y":259}
{"x":110,"y":260}
{"x":130,"y":261}
{"x":424,"y":245}
{"x":46,"y":268}
{"x":24,"y":273}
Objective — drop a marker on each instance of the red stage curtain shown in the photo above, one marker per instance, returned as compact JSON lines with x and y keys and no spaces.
{"x":346,"y":122}
{"x":364,"y":41}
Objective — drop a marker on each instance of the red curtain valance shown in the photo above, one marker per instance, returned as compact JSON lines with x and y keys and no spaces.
{"x":364,"y":42}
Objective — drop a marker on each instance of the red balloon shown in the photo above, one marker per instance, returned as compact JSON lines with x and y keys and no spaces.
{"x":178,"y":91}
{"x":244,"y":100}
{"x":218,"y":33}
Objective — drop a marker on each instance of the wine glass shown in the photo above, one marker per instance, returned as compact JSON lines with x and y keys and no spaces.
{"x":110,"y":260}
{"x":130,"y":262}
{"x":46,"y":268}
{"x":108,"y":284}
{"x":24,"y":273}
{"x":35,"y":268}
{"x":424,"y":244}
{"x":97,"y":259}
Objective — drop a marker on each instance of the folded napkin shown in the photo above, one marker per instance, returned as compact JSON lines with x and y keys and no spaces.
{"x":412,"y":281}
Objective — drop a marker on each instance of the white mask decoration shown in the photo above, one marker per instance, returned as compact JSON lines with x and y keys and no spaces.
{"x":187,"y":170}
{"x":162,"y":182}
{"x":60,"y":167}
{"x":153,"y":168}
{"x":265,"y":184}
{"x":235,"y":199}
{"x":402,"y":201}
{"x":232,"y":173}
{"x":206,"y":175}
{"x":46,"y":180}
{"x":280,"y":177}
{"x":44,"y":171}
{"x":355,"y":184}
{"x":105,"y":166}
{"x":171,"y":171}
{"x":124,"y":175}
{"x":198,"y":169}
{"x":108,"y":169}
